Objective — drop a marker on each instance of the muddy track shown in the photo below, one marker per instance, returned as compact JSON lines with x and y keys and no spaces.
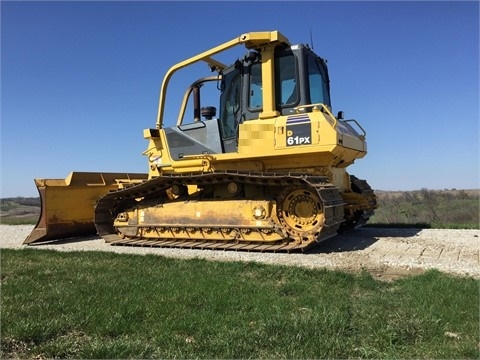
{"x":386,"y":253}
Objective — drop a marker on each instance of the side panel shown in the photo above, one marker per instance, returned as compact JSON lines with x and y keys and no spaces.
{"x":256,"y":138}
{"x":193,"y":139}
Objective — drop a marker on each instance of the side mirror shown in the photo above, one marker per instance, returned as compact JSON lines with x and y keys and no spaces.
{"x":340,"y":115}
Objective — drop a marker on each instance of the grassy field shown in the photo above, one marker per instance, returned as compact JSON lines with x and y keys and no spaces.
{"x":102,"y":305}
{"x":19,"y":210}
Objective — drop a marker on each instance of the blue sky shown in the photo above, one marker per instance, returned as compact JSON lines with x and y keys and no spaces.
{"x":80,"y":81}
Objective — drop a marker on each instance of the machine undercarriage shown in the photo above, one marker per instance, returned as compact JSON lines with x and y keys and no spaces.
{"x":229,"y":210}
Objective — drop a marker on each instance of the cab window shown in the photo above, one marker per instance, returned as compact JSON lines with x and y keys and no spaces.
{"x":286,"y":85}
{"x":286,"y":81}
{"x":230,"y":104}
{"x":255,"y":87}
{"x":318,"y":84}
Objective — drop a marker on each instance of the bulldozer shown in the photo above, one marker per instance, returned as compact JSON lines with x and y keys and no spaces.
{"x":266,"y":172}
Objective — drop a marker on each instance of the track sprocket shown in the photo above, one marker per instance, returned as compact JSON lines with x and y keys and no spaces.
{"x":301,"y":213}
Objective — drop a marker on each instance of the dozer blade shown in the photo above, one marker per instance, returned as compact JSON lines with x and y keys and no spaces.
{"x":67,"y":205}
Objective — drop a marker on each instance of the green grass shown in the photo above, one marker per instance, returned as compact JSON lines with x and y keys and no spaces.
{"x":103,"y":305}
{"x":27,"y":220}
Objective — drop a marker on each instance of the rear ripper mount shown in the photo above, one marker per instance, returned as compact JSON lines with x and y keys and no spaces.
{"x":296,"y":212}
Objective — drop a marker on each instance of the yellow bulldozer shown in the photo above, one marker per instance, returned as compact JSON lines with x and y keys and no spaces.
{"x":268,"y":173}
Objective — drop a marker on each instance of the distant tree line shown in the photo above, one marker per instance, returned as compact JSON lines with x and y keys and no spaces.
{"x":429,"y":208}
{"x":29,"y":201}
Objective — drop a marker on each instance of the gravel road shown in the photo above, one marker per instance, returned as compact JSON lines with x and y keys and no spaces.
{"x":386,"y":253}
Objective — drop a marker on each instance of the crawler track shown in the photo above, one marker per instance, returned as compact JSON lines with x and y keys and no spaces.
{"x":284,"y":232}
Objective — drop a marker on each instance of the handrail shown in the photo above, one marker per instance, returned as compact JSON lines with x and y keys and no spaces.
{"x":324,"y":108}
{"x":359,"y":126}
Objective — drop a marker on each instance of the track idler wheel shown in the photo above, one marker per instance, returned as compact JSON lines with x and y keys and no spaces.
{"x":300,"y":212}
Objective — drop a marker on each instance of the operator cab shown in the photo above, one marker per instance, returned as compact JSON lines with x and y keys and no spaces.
{"x":301,"y":78}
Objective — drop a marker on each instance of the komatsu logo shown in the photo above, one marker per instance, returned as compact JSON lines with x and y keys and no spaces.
{"x":299,"y":130}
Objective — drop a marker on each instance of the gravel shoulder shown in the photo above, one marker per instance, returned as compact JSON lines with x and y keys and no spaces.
{"x":386,"y":253}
